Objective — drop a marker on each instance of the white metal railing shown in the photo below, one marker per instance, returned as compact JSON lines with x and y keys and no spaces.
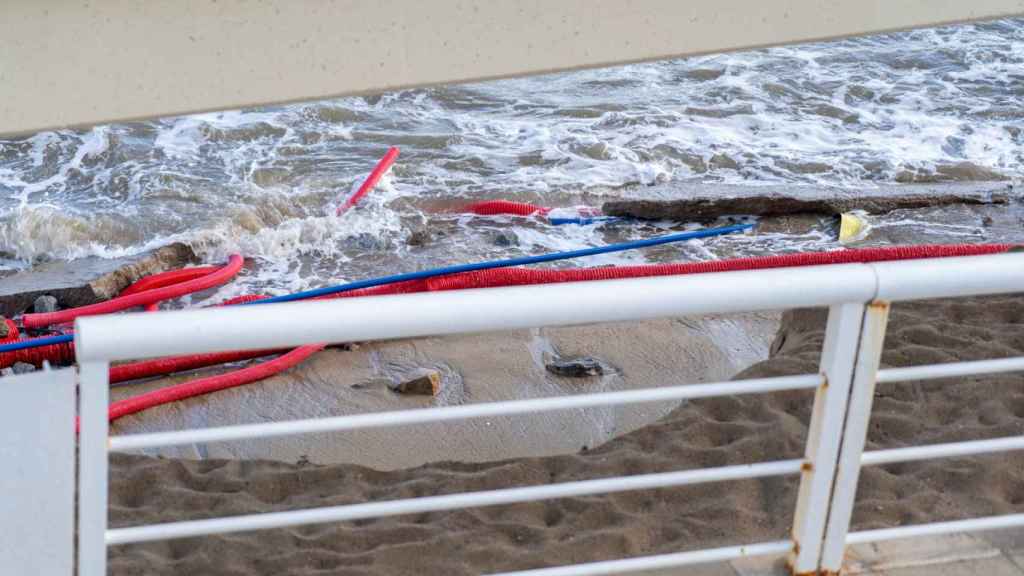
{"x":858,"y":297}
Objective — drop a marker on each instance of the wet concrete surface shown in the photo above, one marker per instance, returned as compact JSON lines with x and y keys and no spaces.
{"x":476,"y":368}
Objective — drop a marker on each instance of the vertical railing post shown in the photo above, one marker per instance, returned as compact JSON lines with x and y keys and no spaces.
{"x":842,"y":338}
{"x":93,"y":393}
{"x":37,"y":478}
{"x":854,"y":435}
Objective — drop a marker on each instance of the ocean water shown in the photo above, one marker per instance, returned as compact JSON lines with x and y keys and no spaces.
{"x":923,"y":106}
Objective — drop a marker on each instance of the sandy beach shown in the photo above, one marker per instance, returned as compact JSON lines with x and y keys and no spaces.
{"x":702,"y":433}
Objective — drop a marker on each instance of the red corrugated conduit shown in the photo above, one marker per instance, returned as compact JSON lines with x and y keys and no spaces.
{"x":523,"y":276}
{"x":506,"y":207}
{"x":480,"y":279}
{"x":167,"y":279}
{"x":210,"y":384}
{"x":142,"y":298}
{"x":63,"y":353}
{"x":170,"y":365}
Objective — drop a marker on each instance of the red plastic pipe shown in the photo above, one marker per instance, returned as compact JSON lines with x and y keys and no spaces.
{"x":522,"y":276}
{"x":220,"y":276}
{"x":499,"y":207}
{"x":63,"y":353}
{"x":212,"y":383}
{"x":167,"y":278}
{"x":499,"y":277}
{"x":378,"y":172}
{"x":162,"y":366}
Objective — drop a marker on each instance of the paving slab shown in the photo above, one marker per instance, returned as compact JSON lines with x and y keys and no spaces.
{"x":916,"y":552}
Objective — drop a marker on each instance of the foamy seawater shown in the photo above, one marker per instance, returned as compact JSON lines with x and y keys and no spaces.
{"x":921,"y":106}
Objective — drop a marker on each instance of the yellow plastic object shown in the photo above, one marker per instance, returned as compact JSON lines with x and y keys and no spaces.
{"x":852,"y":227}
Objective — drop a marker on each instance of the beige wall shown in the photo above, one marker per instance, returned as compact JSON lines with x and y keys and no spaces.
{"x":68,"y":63}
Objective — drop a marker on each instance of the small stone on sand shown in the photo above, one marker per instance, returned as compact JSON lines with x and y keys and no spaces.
{"x":576,"y":367}
{"x":426,"y":385}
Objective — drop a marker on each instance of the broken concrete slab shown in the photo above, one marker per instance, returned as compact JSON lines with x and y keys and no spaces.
{"x":87,"y":280}
{"x":475,"y":368}
{"x":701,"y":202}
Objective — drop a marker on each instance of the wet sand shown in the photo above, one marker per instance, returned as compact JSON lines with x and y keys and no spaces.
{"x":712,"y":432}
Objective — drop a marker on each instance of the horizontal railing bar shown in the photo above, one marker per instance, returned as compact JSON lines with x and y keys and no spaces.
{"x":645,"y":563}
{"x":948,"y":450}
{"x":248,"y":522}
{"x":222,"y":328}
{"x":446,"y":413}
{"x":936,"y":528}
{"x":927,"y":278}
{"x":130,"y":336}
{"x":952,"y":369}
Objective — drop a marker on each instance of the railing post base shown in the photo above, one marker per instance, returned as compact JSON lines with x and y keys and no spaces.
{"x":842,"y":338}
{"x":836,"y":436}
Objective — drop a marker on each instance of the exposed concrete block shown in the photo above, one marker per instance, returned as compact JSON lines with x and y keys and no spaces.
{"x":88,"y":280}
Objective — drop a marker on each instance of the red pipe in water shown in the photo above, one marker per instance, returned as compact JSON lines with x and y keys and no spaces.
{"x":378,"y":172}
{"x":499,"y":207}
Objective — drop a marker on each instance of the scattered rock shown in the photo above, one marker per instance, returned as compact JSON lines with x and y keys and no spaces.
{"x":23,"y":368}
{"x":418,"y":237}
{"x":576,"y":367}
{"x":987,"y":221}
{"x":44,"y":304}
{"x":87,"y":280}
{"x":704,"y":203}
{"x":426,"y":385}
{"x":505,"y":238}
